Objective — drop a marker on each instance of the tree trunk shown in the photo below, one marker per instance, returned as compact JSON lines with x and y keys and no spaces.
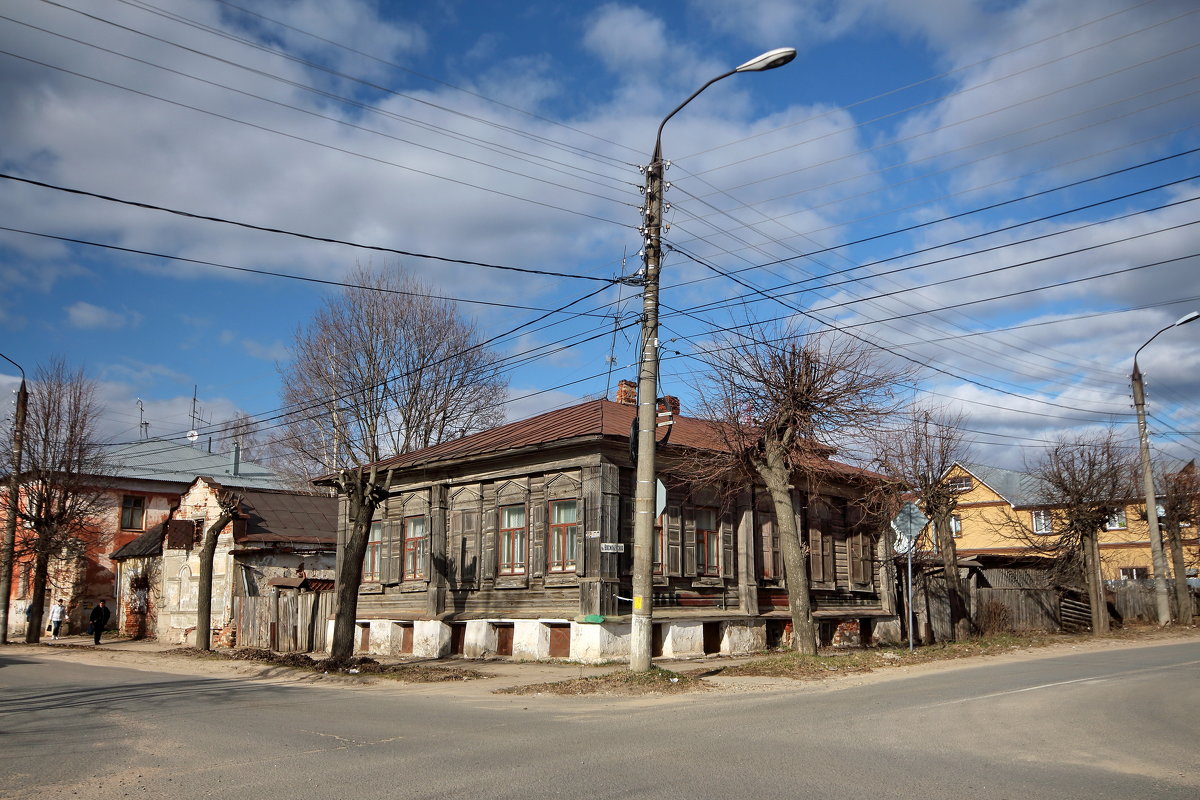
{"x":363,"y":495}
{"x":37,"y":595}
{"x":960,"y":619}
{"x":1095,"y":584}
{"x":208,"y":550}
{"x":795,"y":564}
{"x":1183,"y":595}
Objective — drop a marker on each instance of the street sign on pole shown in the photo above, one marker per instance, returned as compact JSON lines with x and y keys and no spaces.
{"x":908,"y":525}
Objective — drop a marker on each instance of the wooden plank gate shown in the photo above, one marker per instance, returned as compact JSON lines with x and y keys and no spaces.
{"x":286,"y":621}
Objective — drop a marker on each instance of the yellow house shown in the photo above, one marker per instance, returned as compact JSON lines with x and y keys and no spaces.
{"x":993,"y":501}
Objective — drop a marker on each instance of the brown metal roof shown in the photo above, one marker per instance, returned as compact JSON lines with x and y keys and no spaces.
{"x":594,"y":419}
{"x":284,"y":517}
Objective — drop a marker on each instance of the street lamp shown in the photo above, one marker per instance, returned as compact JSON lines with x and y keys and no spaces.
{"x":1162,"y":603}
{"x":644,"y":489}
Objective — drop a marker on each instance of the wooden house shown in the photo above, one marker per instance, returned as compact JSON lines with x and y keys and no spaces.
{"x":518,"y":541}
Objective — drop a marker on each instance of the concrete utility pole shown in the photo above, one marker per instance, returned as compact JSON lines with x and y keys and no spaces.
{"x":641,"y":635}
{"x":8,"y":546}
{"x":1162,"y":600}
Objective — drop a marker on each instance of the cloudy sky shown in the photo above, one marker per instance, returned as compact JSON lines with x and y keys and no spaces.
{"x":1001,"y":192}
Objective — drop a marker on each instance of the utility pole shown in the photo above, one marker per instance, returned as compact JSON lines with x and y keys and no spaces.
{"x":8,"y":546}
{"x":1162,"y":600}
{"x":641,"y":632}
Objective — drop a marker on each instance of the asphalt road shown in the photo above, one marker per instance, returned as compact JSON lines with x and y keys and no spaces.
{"x":1121,"y":723}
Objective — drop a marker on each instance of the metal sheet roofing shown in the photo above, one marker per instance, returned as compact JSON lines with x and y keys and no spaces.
{"x":288,"y":518}
{"x":159,"y":460}
{"x":594,"y":419}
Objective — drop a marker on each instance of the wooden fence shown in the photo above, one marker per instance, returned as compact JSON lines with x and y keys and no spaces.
{"x":1133,"y":601}
{"x":1015,"y":608}
{"x":287,"y":621}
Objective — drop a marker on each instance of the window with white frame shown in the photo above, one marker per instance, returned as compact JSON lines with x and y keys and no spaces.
{"x":133,"y":512}
{"x":564,"y":530}
{"x":960,"y":483}
{"x":1116,"y":521}
{"x":1041,"y":522}
{"x":373,"y":558}
{"x":1135,"y":573}
{"x":414,"y":548}
{"x":955,"y":525}
{"x":708,"y":542}
{"x":511,"y":560}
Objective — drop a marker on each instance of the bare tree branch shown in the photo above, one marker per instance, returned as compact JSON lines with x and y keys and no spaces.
{"x":774,"y":393}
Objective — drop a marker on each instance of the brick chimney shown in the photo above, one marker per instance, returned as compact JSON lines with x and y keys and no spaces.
{"x":626,"y":393}
{"x":669,"y":401}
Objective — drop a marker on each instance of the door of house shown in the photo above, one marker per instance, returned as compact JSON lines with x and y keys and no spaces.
{"x":458,"y":638}
{"x":504,"y":639}
{"x":712,"y":637}
{"x":560,"y":641}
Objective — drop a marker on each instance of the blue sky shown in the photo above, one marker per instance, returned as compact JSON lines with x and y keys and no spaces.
{"x":1002,"y":192}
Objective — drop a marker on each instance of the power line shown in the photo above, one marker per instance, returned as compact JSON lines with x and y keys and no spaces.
{"x":297,"y":234}
{"x":314,"y":142}
{"x":482,"y":143}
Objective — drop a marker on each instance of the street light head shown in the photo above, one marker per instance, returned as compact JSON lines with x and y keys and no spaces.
{"x":769,"y":60}
{"x":1186,"y":318}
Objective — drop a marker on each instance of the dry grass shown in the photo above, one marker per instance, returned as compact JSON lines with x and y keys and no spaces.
{"x":621,"y":683}
{"x":407,"y":673}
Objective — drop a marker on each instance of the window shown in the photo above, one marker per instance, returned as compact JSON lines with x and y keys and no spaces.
{"x":659,"y":527}
{"x":1116,"y":521}
{"x":133,"y":512}
{"x":372,"y":559}
{"x":414,"y":548}
{"x":564,"y":530}
{"x":770,"y":566}
{"x":960,"y":483}
{"x":955,"y":525}
{"x":1041,"y":522}
{"x":708,"y":542}
{"x":512,"y":540}
{"x":1135,"y":573}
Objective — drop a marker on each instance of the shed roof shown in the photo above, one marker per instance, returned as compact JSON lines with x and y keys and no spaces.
{"x":288,"y":518}
{"x":147,"y":545}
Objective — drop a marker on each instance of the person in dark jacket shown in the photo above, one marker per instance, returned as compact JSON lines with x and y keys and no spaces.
{"x":99,"y":619}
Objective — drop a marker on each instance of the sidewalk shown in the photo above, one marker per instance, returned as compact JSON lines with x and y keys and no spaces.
{"x":500,"y":672}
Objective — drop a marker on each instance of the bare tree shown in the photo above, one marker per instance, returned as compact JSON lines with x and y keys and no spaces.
{"x":240,"y":430}
{"x":1082,"y":480}
{"x":228,"y":502}
{"x":775,"y":392}
{"x":62,"y":481}
{"x":917,"y":455}
{"x":1181,"y":506}
{"x":381,"y":370}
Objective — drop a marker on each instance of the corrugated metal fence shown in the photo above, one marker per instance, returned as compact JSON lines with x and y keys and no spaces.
{"x":286,"y":621}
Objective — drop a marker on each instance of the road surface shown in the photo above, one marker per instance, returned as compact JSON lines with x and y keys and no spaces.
{"x":1110,"y":723}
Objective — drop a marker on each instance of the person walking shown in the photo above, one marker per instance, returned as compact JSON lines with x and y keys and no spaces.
{"x":58,"y":613}
{"x":99,"y":619}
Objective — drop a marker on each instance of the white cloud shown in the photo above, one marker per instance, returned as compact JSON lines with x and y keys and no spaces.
{"x":91,"y":317}
{"x":626,"y":38}
{"x":276,"y":351}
